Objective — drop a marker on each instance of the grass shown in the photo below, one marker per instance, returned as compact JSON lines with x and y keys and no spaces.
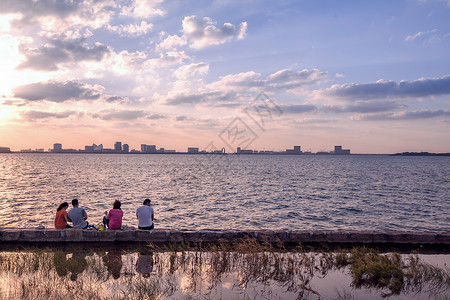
{"x":182,"y":271}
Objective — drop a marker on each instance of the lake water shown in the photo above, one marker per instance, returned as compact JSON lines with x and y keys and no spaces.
{"x":233,"y":191}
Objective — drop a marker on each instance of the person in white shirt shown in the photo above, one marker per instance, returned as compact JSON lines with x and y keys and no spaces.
{"x":145,"y":215}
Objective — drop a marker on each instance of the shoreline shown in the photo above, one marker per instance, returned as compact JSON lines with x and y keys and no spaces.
{"x":131,"y":235}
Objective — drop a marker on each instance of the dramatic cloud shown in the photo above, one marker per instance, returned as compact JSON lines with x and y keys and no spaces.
{"x":424,"y":87}
{"x":58,"y":91}
{"x":59,"y":51}
{"x":34,"y":114}
{"x":407,"y":115}
{"x":124,"y":115}
{"x":365,"y":107}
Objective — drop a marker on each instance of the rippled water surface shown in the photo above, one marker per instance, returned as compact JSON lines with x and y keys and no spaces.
{"x":233,"y":191}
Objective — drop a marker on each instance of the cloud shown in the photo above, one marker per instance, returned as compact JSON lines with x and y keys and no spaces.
{"x":155,"y":117}
{"x":34,"y":114}
{"x":424,"y":87}
{"x":202,"y":32}
{"x":187,"y":71}
{"x":131,"y":30}
{"x":60,"y":50}
{"x":58,"y":91}
{"x":365,"y":107}
{"x":230,"y":90}
{"x":180,"y":118}
{"x":116,"y":99}
{"x":143,"y":9}
{"x":298,"y":108}
{"x":58,"y":16}
{"x":289,"y":80}
{"x":124,"y":115}
{"x":411,"y":38}
{"x":286,"y":79}
{"x":167,"y":59}
{"x":407,"y":115}
{"x":211,"y":98}
{"x":171,"y":43}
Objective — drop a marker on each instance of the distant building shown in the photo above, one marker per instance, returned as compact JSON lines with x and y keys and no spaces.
{"x":192,"y":150}
{"x":322,"y":153}
{"x":296,"y":150}
{"x":118,"y":147}
{"x":243,"y":151}
{"x":107,"y":150}
{"x":93,"y":148}
{"x":126,"y":148}
{"x":246,"y":151}
{"x":5,"y":150}
{"x":57,"y":147}
{"x":339,"y":151}
{"x":148,"y":148}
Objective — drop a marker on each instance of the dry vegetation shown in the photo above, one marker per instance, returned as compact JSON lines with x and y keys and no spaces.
{"x":181,"y":272}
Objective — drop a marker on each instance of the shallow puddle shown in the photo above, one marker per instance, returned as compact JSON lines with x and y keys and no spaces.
{"x":244,"y":273}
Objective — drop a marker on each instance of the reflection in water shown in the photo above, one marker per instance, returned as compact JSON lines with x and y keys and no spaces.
{"x":144,"y":264}
{"x":247,"y":272}
{"x":75,"y":264}
{"x":113,"y":262}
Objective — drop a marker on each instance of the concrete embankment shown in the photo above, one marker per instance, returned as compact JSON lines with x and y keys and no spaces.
{"x":15,"y":235}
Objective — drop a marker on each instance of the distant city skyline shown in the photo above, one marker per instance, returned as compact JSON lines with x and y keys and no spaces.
{"x":371,"y":75}
{"x":144,"y":148}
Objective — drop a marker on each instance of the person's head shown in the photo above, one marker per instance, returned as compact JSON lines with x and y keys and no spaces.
{"x":75,"y":202}
{"x":116,"y":204}
{"x":62,"y":206}
{"x":146,"y":202}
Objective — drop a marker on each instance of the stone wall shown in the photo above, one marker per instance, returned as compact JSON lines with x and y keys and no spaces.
{"x":14,"y":235}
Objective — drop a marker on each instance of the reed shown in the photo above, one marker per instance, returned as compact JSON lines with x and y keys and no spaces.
{"x":200,"y":270}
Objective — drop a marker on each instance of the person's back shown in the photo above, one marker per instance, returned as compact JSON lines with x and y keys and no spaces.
{"x":145,"y":215}
{"x":115,"y":219}
{"x":77,"y":215}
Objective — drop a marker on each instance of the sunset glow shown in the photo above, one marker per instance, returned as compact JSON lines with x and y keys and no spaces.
{"x":371,"y":76}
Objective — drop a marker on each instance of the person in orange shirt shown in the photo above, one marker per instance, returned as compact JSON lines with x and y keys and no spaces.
{"x":61,"y":216}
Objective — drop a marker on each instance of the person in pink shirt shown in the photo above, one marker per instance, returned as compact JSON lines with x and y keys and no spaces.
{"x":113,"y":218}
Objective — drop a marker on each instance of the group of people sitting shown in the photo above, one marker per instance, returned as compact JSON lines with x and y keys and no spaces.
{"x":112,"y":219}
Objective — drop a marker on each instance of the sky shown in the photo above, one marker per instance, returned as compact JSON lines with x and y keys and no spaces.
{"x":372,"y":76}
